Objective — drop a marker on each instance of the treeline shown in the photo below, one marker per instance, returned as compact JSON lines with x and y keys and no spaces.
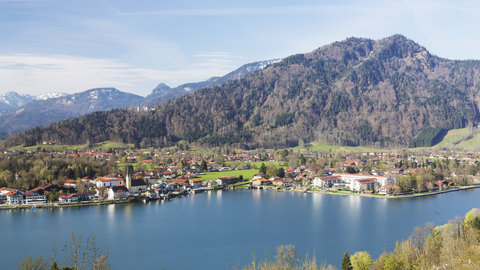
{"x":27,"y":171}
{"x":77,"y":254}
{"x":355,"y":92}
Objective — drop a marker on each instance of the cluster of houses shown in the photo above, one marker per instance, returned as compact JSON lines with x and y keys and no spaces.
{"x":167,"y":176}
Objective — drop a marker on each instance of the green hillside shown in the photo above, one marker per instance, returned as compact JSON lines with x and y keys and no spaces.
{"x":463,"y":138}
{"x":358,"y":92}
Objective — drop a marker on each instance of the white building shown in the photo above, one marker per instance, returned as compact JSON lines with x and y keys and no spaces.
{"x":108,"y":181}
{"x":359,"y":182}
{"x":362,"y":184}
{"x":14,"y":197}
{"x":33,"y":198}
{"x":325,"y":182}
{"x":71,"y":198}
{"x":117,"y":193}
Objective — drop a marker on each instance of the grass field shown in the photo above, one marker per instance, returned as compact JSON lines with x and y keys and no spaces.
{"x":123,"y":166}
{"x":113,"y":145}
{"x":461,"y":138}
{"x":322,"y":147}
{"x":63,"y":147}
{"x":50,"y":147}
{"x":257,"y":164}
{"x":247,"y":174}
{"x":453,"y":137}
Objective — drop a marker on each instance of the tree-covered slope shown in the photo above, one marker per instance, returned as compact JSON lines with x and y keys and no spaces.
{"x":388,"y":92}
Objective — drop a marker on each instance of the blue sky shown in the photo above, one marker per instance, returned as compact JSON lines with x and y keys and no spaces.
{"x":71,"y":46}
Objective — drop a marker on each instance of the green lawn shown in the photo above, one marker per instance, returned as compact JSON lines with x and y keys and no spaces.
{"x":258,"y":164}
{"x":64,"y":147}
{"x":50,"y":147}
{"x":459,"y":138}
{"x":247,"y":174}
{"x":113,"y":145}
{"x":322,"y":147}
{"x":123,"y":166}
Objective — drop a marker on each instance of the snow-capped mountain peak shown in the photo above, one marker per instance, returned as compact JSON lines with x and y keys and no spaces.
{"x":14,"y":100}
{"x":51,"y":95}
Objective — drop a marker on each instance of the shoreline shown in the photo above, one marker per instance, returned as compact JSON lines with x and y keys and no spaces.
{"x":97,"y":203}
{"x":405,"y":196}
{"x":62,"y":205}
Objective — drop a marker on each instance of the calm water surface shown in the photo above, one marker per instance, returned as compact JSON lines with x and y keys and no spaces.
{"x":219,"y":230}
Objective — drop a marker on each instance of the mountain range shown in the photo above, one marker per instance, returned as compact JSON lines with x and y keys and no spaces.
{"x":163,"y":92}
{"x":21,"y":112}
{"x":12,"y":100}
{"x":387,"y":92}
{"x":40,"y":112}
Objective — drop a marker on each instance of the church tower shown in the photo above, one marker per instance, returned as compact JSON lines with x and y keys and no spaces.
{"x":128,"y":179}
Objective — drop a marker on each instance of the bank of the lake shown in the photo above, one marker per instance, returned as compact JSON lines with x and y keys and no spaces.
{"x":216,"y":230}
{"x":402,"y":196}
{"x":136,"y":200}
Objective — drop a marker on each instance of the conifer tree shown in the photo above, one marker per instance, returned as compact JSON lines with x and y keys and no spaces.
{"x":346,"y":263}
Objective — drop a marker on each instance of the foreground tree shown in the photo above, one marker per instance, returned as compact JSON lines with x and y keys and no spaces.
{"x":361,"y":260}
{"x":346,"y":263}
{"x":76,"y":254}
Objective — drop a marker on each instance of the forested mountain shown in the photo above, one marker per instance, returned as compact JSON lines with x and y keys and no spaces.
{"x":389,"y":92}
{"x":50,"y":110}
{"x":163,"y":92}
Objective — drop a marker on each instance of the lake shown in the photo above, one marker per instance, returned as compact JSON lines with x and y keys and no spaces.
{"x":218,"y":230}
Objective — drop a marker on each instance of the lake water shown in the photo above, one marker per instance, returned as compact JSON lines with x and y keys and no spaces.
{"x":218,"y":230}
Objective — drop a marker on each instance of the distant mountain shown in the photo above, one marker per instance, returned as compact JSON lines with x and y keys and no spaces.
{"x":387,"y":92}
{"x":51,"y":95}
{"x":25,"y":105}
{"x":163,"y":92}
{"x":13,"y":100}
{"x":44,"y":112}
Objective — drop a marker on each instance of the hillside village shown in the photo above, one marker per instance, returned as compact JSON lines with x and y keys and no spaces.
{"x":150,"y":175}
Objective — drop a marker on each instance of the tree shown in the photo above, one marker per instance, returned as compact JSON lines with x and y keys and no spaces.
{"x":77,"y":254}
{"x":346,"y":263}
{"x":302,"y":160}
{"x":203,"y":166}
{"x":33,"y":264}
{"x":361,"y":260}
{"x":263,"y":169}
{"x":287,"y":257}
{"x":272,"y":171}
{"x":388,"y":262}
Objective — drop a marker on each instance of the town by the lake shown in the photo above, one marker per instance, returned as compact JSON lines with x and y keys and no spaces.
{"x":142,"y":175}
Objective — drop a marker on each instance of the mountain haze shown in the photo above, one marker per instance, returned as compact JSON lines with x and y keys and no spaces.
{"x":388,"y":92}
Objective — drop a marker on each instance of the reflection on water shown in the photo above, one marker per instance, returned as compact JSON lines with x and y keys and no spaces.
{"x":110,"y":216}
{"x":127,"y":211}
{"x":239,"y":223}
{"x":256,"y":195}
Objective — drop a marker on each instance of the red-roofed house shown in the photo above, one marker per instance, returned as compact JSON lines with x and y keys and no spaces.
{"x":196,"y":182}
{"x":108,"y":181}
{"x":14,"y":197}
{"x":261,"y":182}
{"x":71,"y":198}
{"x":325,"y":182}
{"x":363,"y":184}
{"x":71,"y":183}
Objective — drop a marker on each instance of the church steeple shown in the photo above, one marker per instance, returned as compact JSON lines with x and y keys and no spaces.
{"x":128,"y":180}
